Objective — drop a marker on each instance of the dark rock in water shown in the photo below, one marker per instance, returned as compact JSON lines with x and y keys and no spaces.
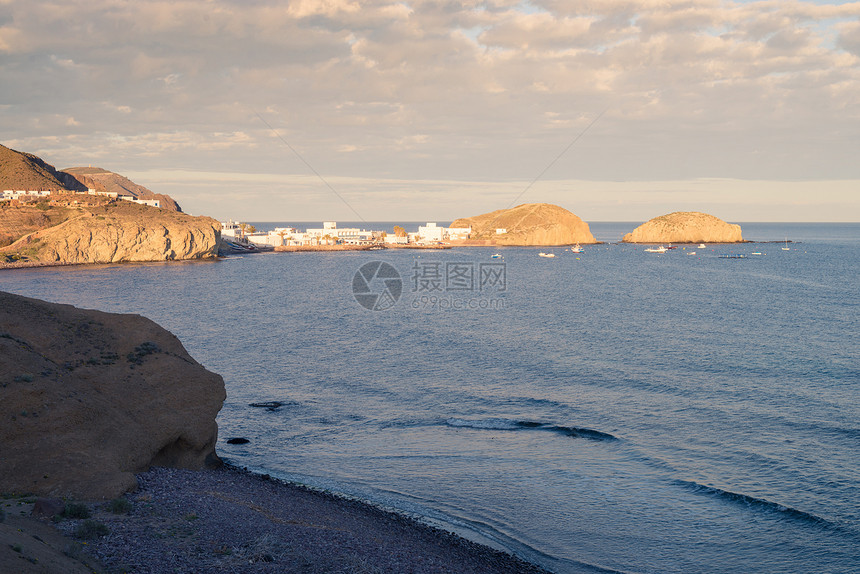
{"x":237,"y":440}
{"x":48,"y":507}
{"x":270,"y":405}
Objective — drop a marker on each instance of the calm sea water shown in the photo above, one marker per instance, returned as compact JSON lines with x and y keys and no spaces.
{"x":613,"y":410}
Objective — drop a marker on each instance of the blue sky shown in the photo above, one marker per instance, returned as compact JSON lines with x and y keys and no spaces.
{"x":614,"y":109}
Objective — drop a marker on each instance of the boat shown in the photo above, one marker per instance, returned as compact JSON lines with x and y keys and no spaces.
{"x":496,"y":256}
{"x":786,"y":248}
{"x":542,"y":254}
{"x":577,"y":248}
{"x":660,"y":249}
{"x":672,"y":247}
{"x":701,"y":246}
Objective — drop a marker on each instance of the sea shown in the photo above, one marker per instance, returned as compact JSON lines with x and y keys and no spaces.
{"x":615,"y":410}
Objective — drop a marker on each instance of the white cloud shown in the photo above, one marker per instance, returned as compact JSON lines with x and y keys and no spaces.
{"x":419,"y":91}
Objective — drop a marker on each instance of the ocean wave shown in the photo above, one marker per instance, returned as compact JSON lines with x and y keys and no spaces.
{"x":515,"y":425}
{"x":758,"y":504}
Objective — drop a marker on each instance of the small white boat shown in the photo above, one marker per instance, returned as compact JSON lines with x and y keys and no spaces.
{"x":786,"y":248}
{"x":701,"y":246}
{"x":496,"y":256}
{"x":660,"y":249}
{"x":542,"y":254}
{"x":577,"y":248}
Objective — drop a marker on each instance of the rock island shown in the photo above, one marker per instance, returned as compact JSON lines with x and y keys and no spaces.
{"x":685,"y":227}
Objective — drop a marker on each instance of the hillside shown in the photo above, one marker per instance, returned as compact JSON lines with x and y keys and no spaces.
{"x":101,"y":230}
{"x":529,"y":224}
{"x":685,"y":227}
{"x":108,"y":181}
{"x":24,"y":171}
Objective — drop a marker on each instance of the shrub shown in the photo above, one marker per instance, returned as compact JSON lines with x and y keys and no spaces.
{"x":76,"y":510}
{"x":90,"y":530}
{"x":120,"y":506}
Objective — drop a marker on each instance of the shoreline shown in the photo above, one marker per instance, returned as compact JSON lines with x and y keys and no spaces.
{"x":350,"y":248}
{"x":232,"y":519}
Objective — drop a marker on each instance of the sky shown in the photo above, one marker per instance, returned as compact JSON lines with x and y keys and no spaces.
{"x":618,"y":110}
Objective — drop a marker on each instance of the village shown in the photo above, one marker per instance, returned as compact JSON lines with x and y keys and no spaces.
{"x":246,"y":236}
{"x":25,"y":195}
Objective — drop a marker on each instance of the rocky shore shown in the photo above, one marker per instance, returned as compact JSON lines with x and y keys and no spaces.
{"x":107,"y":442}
{"x":229,"y":520}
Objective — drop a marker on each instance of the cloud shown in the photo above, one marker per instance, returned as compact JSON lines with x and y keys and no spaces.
{"x":471,"y":91}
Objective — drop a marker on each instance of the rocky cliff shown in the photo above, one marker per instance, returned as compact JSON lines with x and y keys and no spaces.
{"x":88,"y":399}
{"x":529,"y":224}
{"x":685,"y":227}
{"x":105,"y":232}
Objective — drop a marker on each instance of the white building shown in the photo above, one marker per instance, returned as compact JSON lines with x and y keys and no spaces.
{"x":394,"y":239}
{"x":330,"y":233}
{"x":133,"y":199}
{"x":432,"y":233}
{"x":456,"y":233}
{"x":19,"y":193}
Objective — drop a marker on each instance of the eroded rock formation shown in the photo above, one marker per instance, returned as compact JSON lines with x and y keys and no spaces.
{"x":685,"y":227}
{"x":529,"y":224}
{"x":88,"y":399}
{"x":114,"y":232}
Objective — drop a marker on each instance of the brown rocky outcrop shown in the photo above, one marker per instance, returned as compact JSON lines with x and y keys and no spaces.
{"x":529,"y":224}
{"x":685,"y":227}
{"x":88,"y":399}
{"x":108,"y":232}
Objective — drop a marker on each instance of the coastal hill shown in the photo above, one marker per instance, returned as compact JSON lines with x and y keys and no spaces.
{"x":528,"y":224}
{"x":91,"y":398}
{"x":685,"y":227}
{"x":96,"y":229}
{"x":25,"y":171}
{"x":19,"y":170}
{"x":110,"y":182}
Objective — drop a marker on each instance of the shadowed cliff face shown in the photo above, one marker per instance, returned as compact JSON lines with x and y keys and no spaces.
{"x":88,"y":399}
{"x":685,"y":227}
{"x":529,"y":224}
{"x":110,"y":232}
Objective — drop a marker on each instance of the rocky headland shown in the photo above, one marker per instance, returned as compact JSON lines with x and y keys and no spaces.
{"x":685,"y":227}
{"x":72,"y":226}
{"x":528,"y":224}
{"x":101,"y":230}
{"x":88,"y":399}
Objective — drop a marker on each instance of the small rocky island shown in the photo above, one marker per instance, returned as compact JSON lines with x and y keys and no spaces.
{"x":685,"y":227}
{"x":527,"y":224}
